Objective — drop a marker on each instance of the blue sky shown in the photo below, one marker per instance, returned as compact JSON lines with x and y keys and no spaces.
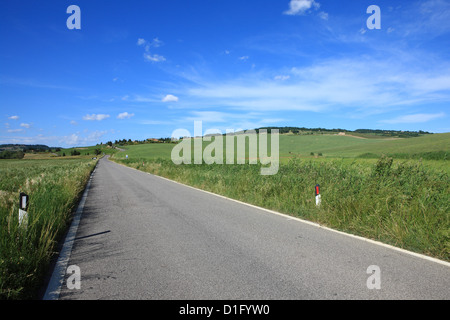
{"x":141,"y":69}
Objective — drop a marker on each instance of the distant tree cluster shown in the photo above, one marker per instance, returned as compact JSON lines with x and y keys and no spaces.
{"x":25,"y":147}
{"x":302,"y":130}
{"x":7,"y":154}
{"x":75,"y":152}
{"x":125,"y":142}
{"x":29,"y":148}
{"x":394,"y":133}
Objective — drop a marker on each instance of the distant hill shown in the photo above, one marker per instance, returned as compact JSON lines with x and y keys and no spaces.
{"x":26,"y":147}
{"x":17,"y":151}
{"x":368,"y":133}
{"x":430,"y":146}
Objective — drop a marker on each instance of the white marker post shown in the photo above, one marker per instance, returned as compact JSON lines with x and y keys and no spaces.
{"x":23,"y":208}
{"x":318,"y":200}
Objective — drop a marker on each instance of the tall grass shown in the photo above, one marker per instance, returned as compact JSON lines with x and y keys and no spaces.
{"x":401,"y":203}
{"x":54,"y":187}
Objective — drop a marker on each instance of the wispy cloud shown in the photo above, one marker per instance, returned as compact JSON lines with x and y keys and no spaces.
{"x":430,"y":17}
{"x":13,"y":118}
{"x":95,"y":117}
{"x":323,"y":15}
{"x":25,"y":125}
{"x":360,"y":85}
{"x":155,"y":122}
{"x":229,"y":120}
{"x":33,"y":83}
{"x":282,"y":77}
{"x":415,"y":118}
{"x":70,"y":140}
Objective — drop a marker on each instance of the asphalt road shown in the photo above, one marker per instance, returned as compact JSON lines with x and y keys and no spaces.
{"x":144,"y":237}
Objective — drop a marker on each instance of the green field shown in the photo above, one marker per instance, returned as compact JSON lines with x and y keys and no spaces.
{"x":54,"y":187}
{"x":402,"y":201}
{"x":88,"y":151}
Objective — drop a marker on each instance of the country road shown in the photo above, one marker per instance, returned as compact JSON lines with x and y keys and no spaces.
{"x":144,"y":237}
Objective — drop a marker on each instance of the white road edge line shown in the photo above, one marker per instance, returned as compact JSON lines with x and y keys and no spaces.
{"x":418,"y":255}
{"x":56,"y":281}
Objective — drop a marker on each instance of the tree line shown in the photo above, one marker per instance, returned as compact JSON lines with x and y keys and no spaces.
{"x":126,"y":142}
{"x":386,"y":133}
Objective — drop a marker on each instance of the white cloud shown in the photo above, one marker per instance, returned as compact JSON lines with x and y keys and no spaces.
{"x":243,"y":58}
{"x":25,"y":125}
{"x":75,"y":139}
{"x":153,"y":57}
{"x":14,"y":130}
{"x":299,"y":7}
{"x":73,"y":122}
{"x":13,"y":117}
{"x":155,"y":43}
{"x":415,"y":118}
{"x":125,"y":115}
{"x":170,"y":98}
{"x":96,"y":117}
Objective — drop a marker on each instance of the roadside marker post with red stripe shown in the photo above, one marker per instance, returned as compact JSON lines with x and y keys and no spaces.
{"x":318,"y":197}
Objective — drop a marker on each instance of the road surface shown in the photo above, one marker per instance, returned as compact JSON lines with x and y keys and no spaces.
{"x":144,"y":237}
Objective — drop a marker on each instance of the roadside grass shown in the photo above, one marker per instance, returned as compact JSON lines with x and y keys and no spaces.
{"x":54,"y":187}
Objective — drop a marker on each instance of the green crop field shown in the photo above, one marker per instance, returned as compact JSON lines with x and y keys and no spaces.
{"x":53,"y":186}
{"x":328,"y":146}
{"x":401,"y":199}
{"x":87,"y":152}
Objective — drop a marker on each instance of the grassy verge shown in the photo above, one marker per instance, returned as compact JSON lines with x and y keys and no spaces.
{"x":403,"y":203}
{"x":54,"y":187}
